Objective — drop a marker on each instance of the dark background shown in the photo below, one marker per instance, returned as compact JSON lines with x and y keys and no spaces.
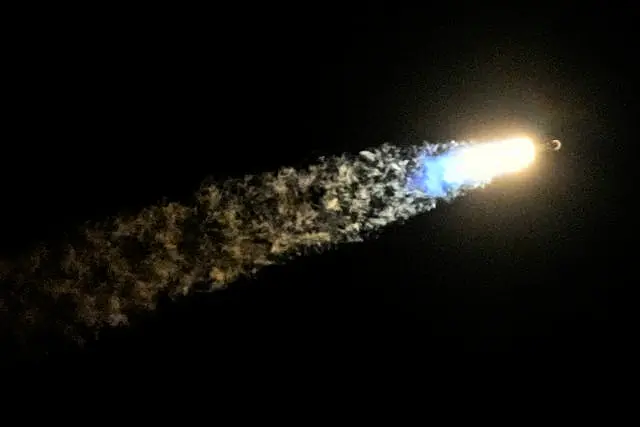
{"x":113,"y":110}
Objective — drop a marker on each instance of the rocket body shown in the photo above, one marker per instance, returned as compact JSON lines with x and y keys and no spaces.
{"x":553,"y":145}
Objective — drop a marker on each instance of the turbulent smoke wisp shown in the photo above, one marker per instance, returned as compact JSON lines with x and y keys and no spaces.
{"x":239,"y":226}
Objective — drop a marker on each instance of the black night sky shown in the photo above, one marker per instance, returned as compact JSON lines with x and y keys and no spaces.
{"x":113,"y":111}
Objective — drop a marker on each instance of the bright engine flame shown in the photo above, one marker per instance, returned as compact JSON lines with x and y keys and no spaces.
{"x":483,"y":162}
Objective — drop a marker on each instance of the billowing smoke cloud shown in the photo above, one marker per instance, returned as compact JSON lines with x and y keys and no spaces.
{"x":234,"y":228}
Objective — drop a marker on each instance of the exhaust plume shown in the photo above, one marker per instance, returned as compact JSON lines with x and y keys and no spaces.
{"x":235,"y":228}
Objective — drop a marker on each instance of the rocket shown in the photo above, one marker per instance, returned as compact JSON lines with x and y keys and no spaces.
{"x":552,"y":145}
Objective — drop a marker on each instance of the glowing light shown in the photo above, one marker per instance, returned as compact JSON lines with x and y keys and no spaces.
{"x":483,"y":162}
{"x":471,"y":165}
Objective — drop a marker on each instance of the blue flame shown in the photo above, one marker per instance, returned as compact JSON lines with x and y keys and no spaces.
{"x":442,"y":175}
{"x":429,"y":176}
{"x":469,"y":165}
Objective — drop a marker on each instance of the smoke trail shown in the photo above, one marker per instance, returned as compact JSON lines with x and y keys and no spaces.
{"x":122,"y":265}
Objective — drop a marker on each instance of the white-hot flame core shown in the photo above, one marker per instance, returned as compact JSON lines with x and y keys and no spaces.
{"x":482,"y":162}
